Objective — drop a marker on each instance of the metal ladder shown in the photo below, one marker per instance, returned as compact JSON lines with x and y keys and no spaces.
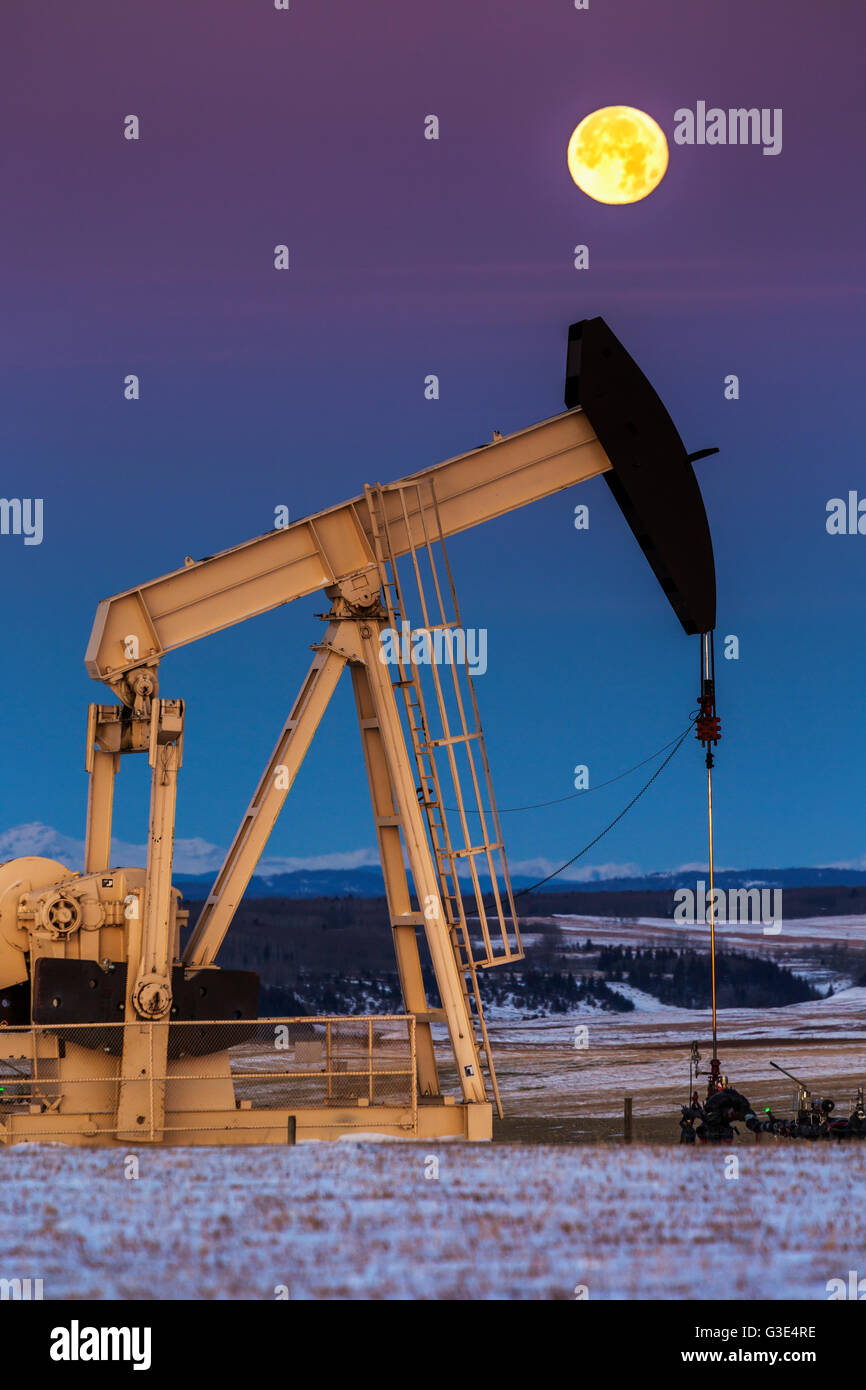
{"x":411,"y":510}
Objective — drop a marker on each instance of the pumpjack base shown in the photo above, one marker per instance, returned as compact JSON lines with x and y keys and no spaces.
{"x":434,"y":1119}
{"x":229,"y":1081}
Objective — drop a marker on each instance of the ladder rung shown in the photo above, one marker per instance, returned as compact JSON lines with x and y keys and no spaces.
{"x":453,"y":738}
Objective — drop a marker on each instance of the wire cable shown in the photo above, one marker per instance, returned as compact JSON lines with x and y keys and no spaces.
{"x":573,"y":796}
{"x":679,"y":742}
{"x":709,"y":672}
{"x":712,"y":907}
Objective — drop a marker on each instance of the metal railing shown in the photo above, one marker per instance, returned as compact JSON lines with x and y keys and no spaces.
{"x":283,"y":1064}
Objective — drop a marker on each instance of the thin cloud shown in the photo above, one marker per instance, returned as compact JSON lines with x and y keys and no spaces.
{"x":193,"y":856}
{"x":586,"y":873}
{"x":199,"y":856}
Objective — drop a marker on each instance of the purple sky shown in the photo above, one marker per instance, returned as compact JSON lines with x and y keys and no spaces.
{"x":454,"y":257}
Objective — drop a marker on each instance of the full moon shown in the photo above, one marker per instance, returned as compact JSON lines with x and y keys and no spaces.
{"x":617,"y":154}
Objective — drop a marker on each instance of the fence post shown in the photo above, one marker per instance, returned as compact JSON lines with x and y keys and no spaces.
{"x":627,"y":1125}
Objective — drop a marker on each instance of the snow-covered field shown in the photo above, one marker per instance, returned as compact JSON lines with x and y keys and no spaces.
{"x":508,"y":1220}
{"x":345,"y":1221}
{"x":799,"y":944}
{"x":735,"y":936}
{"x":583,"y":1063}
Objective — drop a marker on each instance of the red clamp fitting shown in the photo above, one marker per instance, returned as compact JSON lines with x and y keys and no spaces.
{"x":708,"y":725}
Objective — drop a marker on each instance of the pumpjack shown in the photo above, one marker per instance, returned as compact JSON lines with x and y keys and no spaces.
{"x":115,"y":1030}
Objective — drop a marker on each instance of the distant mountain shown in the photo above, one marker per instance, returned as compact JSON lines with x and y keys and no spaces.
{"x":201,"y":860}
{"x":303,"y":883}
{"x":723,"y":878}
{"x":368,"y":882}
